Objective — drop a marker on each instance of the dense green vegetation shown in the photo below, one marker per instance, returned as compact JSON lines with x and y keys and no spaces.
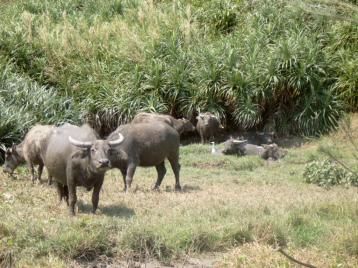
{"x":287,"y":65}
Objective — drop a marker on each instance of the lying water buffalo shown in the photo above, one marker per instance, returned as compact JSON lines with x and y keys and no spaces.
{"x":75,"y":157}
{"x":207,"y":126}
{"x":242,"y":147}
{"x":31,"y":150}
{"x":181,"y":125}
{"x":146,"y":145}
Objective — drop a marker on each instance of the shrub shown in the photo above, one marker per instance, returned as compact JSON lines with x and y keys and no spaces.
{"x":24,"y":103}
{"x":219,"y":16}
{"x":327,"y":173}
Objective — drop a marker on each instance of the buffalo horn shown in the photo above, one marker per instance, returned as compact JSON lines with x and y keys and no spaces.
{"x":239,"y":142}
{"x":3,"y":147}
{"x":117,"y":141}
{"x":82,"y":144}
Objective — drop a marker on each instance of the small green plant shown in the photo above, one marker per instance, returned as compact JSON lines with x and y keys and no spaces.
{"x":327,"y":173}
{"x":220,"y":16}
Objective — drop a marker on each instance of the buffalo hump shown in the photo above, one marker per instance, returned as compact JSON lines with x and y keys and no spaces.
{"x":181,"y":125}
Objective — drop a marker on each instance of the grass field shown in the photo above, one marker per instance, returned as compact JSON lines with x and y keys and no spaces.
{"x":232,"y":212}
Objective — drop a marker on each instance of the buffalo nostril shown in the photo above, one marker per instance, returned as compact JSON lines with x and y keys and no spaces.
{"x":104,"y":162}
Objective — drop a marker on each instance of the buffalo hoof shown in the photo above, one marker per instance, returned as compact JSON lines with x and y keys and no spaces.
{"x":156,"y":189}
{"x":177,"y":188}
{"x":128,"y":191}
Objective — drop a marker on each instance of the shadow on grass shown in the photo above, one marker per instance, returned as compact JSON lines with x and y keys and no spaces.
{"x":185,"y":189}
{"x":111,"y":210}
{"x":191,"y":188}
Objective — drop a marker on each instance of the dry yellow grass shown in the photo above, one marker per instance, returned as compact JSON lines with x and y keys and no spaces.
{"x":259,"y":255}
{"x":240,"y":208}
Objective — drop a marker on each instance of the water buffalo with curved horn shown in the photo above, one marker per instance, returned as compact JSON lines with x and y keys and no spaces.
{"x":76,"y":157}
{"x":242,"y":147}
{"x":146,"y":145}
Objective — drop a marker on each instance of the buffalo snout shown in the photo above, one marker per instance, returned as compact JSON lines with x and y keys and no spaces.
{"x":104,"y":162}
{"x":7,"y":170}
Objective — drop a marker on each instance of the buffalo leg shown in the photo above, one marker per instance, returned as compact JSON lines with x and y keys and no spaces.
{"x":59,"y":189}
{"x":129,"y":177}
{"x":161,"y":170}
{"x":72,"y":198}
{"x":32,"y":170}
{"x":49,"y":181}
{"x":95,"y":195}
{"x":65,"y":194}
{"x":124,"y":174}
{"x":202,"y":138}
{"x":174,"y":162}
{"x":39,"y":172}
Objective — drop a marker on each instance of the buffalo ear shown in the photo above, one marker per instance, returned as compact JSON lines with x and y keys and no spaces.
{"x":82,"y":153}
{"x":13,"y":150}
{"x":8,"y":151}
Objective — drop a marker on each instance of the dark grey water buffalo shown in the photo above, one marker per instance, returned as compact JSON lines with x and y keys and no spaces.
{"x":259,"y":138}
{"x":181,"y":125}
{"x":242,"y":147}
{"x":146,"y":145}
{"x":234,"y":147}
{"x":14,"y":157}
{"x":267,"y":151}
{"x":31,"y":150}
{"x":75,"y":157}
{"x":207,"y":126}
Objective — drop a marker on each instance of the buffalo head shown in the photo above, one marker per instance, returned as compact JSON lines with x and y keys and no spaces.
{"x":13,"y":159}
{"x":97,"y":151}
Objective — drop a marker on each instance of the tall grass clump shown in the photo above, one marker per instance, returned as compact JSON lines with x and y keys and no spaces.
{"x":283,"y":65}
{"x":24,"y":103}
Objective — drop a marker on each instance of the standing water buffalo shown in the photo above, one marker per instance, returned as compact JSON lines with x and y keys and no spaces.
{"x":146,"y":145}
{"x":207,"y":126}
{"x":14,"y":157}
{"x":31,"y":150}
{"x":181,"y":125}
{"x":75,"y":157}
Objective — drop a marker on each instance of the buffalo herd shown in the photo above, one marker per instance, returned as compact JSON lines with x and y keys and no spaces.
{"x":77,"y":156}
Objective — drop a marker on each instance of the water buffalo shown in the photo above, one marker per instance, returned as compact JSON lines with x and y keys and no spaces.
{"x":242,"y":147}
{"x":14,"y":157}
{"x":207,"y":126}
{"x":31,"y":150}
{"x":75,"y":157}
{"x":181,"y":125}
{"x":259,"y":138}
{"x":146,"y":145}
{"x":234,"y":147}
